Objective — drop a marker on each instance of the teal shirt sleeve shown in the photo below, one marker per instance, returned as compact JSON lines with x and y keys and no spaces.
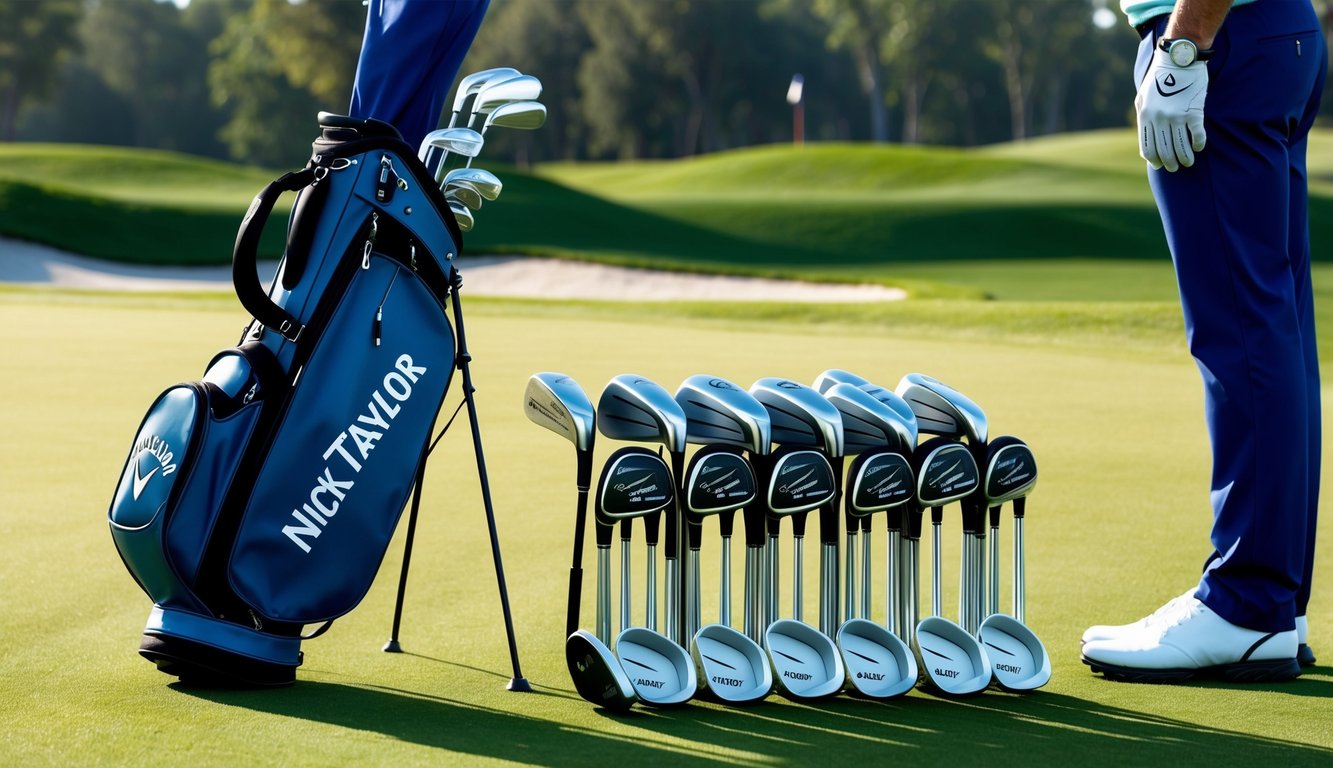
{"x":1139,"y":11}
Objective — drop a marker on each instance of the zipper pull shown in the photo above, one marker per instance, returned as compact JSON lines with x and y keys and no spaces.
{"x":370,"y":240}
{"x":414,"y":257}
{"x":377,"y":328}
{"x":387,"y":180}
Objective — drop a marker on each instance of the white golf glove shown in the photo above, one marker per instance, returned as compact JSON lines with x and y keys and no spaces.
{"x":1170,"y":111}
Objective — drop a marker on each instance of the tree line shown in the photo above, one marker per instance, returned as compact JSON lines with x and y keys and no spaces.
{"x":243,"y":79}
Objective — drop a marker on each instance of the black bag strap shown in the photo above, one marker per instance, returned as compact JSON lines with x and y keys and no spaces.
{"x":245,"y":256}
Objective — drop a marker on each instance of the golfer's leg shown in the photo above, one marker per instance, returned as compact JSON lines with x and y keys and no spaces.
{"x":1228,"y":222}
{"x":1299,"y":248}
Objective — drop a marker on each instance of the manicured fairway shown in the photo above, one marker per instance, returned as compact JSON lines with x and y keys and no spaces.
{"x":1116,"y":525}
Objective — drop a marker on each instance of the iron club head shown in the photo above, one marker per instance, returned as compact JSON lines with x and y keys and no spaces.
{"x":941,"y":409}
{"x":718,"y":411}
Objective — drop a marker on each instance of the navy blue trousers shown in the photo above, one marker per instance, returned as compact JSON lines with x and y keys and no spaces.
{"x":1237,"y":226}
{"x":409,"y":59}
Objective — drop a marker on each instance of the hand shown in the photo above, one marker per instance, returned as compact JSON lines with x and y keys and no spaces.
{"x":1170,"y":111}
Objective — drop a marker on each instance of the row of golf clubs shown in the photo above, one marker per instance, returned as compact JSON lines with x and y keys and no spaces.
{"x":851,"y":416}
{"x":501,"y":96}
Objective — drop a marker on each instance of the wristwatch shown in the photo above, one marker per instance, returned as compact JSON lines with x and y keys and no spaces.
{"x":1184,"y":51}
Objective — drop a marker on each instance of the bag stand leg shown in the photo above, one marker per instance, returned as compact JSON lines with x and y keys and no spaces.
{"x":393,"y":646}
{"x":517,"y":683}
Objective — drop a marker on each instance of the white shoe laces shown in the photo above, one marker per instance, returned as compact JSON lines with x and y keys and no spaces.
{"x":1180,"y":610}
{"x":1175,"y":611}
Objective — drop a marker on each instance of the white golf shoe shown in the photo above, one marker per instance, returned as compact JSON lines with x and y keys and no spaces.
{"x":1185,"y":640}
{"x":1112,"y":631}
{"x":1303,"y":653}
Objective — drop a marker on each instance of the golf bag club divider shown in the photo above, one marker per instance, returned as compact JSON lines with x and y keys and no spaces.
{"x":302,"y":444}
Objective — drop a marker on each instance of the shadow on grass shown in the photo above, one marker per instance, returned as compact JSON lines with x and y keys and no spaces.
{"x":995,"y":728}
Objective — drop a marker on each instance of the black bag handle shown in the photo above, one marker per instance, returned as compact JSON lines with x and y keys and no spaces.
{"x":245,"y":256}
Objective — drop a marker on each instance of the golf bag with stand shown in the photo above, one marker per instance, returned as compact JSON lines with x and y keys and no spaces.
{"x":261,"y":498}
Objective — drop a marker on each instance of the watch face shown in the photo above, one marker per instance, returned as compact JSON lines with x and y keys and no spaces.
{"x":1183,"y":53}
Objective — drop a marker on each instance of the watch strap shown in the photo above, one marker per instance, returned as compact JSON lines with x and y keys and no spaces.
{"x":1202,"y":54}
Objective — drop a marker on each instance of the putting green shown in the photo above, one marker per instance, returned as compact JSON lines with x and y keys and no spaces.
{"x":1117,"y":524}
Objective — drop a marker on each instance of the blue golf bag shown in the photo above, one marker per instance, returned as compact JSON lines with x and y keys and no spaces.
{"x":261,"y":498}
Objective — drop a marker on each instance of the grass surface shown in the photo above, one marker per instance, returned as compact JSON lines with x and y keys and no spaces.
{"x":1026,"y":221}
{"x":1116,"y":526}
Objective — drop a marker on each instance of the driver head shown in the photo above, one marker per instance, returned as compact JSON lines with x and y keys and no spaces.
{"x":557,"y":402}
{"x":941,"y":409}
{"x":718,"y":411}
{"x":633,"y":407}
{"x":800,"y":415}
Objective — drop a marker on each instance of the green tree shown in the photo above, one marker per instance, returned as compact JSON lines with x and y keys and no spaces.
{"x":1030,"y":37}
{"x":315,"y":43}
{"x":34,"y":38}
{"x":861,"y":27}
{"x":266,"y":112}
{"x":274,"y":68}
{"x":624,"y":103}
{"x":149,"y":57}
{"x":546,"y":39}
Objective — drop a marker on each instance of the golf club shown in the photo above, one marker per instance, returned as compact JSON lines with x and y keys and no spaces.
{"x":1019,"y":658}
{"x":469,"y":85}
{"x":498,"y":92}
{"x":732,"y":667}
{"x":867,"y":424}
{"x":879,"y":664}
{"x":802,"y":416}
{"x":482,"y":85}
{"x":462,"y":215}
{"x":636,"y":482}
{"x":905,"y":425}
{"x":899,"y":552}
{"x":485,"y":182}
{"x":955,"y":662}
{"x":806,"y":662}
{"x":464,"y":193}
{"x":636,"y":408}
{"x":720,"y":412}
{"x":438,"y":144}
{"x":943,"y":410}
{"x":520,"y":115}
{"x":555,"y":401}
